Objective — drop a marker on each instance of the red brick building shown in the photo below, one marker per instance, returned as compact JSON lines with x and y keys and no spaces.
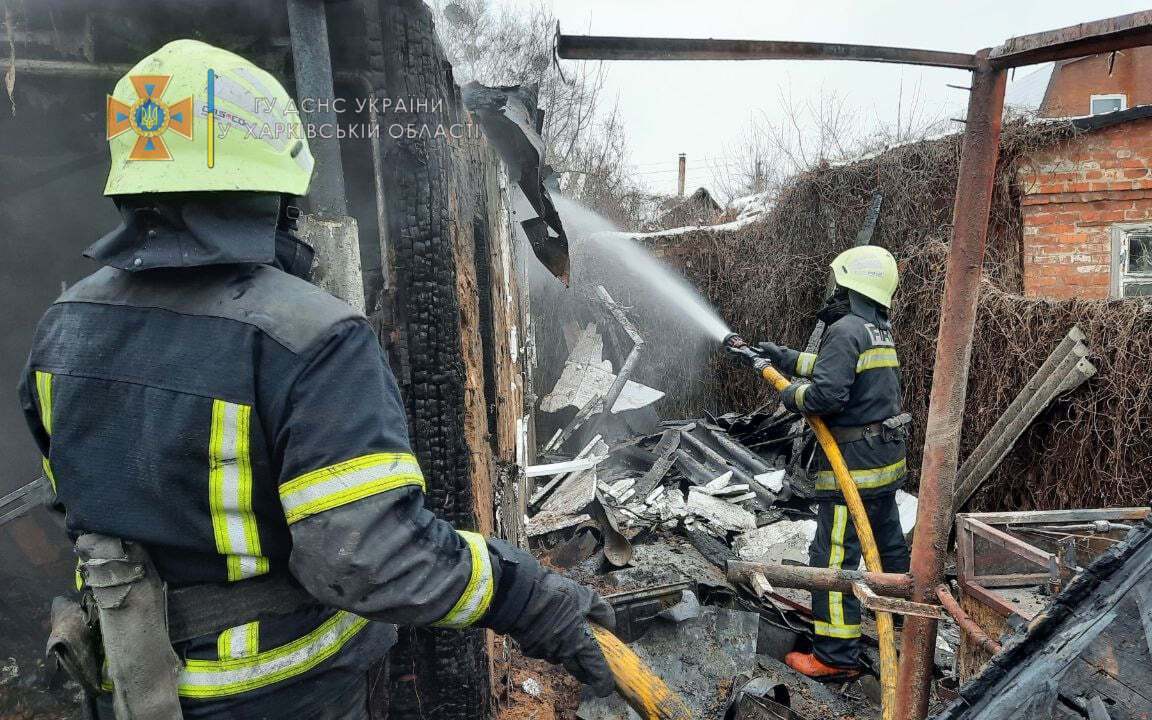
{"x":1087,"y":200}
{"x":1097,"y":84}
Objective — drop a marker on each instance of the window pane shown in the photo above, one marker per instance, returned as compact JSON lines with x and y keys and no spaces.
{"x":1106,"y":105}
{"x":1136,"y":289}
{"x":1140,"y":252}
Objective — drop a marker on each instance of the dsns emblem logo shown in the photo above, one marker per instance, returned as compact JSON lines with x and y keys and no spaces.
{"x":150,"y":117}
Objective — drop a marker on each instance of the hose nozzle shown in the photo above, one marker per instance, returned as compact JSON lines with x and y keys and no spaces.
{"x":739,"y":347}
{"x":734,"y":341}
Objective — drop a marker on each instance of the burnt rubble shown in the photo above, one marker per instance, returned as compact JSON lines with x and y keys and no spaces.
{"x":653,"y":520}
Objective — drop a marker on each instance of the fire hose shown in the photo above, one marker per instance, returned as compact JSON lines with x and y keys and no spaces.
{"x":646,"y":693}
{"x":884,"y":626}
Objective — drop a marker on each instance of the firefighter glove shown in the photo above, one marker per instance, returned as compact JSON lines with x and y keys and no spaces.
{"x":549,"y":615}
{"x":774,"y":353}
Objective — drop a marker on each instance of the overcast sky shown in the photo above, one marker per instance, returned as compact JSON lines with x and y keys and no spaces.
{"x":702,"y":108}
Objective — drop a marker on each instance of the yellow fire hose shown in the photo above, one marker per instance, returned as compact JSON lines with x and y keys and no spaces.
{"x":646,"y":693}
{"x":884,"y":627}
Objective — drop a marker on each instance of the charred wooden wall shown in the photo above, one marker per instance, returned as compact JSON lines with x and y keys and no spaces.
{"x":456,"y":312}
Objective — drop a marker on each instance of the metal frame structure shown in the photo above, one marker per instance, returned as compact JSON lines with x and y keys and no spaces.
{"x":981,"y":149}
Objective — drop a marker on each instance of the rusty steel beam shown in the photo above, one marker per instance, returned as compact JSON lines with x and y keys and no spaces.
{"x":802,"y":577}
{"x":603,"y":47}
{"x":965,"y":621}
{"x":1090,"y":38}
{"x":880,"y":603}
{"x":981,"y":150}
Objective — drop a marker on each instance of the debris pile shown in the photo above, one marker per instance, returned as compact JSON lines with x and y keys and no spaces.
{"x":716,"y":475}
{"x":653,"y":519}
{"x":1087,"y":654}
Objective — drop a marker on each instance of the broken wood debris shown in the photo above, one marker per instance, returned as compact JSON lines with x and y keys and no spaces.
{"x":587,"y":375}
{"x":683,"y":505}
{"x":1065,"y":369}
{"x":1093,"y":642}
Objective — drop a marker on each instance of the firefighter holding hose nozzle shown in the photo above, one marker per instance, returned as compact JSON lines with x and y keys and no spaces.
{"x":853,"y":383}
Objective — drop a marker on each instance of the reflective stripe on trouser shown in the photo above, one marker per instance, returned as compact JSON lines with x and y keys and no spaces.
{"x":477,"y":595}
{"x":835,"y":622}
{"x":230,"y":490}
{"x":239,"y":642}
{"x":866,"y":478}
{"x":234,"y":675}
{"x":837,"y":615}
{"x":348,"y":481}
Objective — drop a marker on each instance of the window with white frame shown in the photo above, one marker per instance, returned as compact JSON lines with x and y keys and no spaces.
{"x":1108,"y":103}
{"x":1131,"y":260}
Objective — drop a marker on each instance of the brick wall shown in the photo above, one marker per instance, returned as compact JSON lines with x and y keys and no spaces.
{"x":1074,"y":82}
{"x":1072,"y":193}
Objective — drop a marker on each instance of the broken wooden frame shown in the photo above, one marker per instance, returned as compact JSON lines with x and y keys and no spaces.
{"x":633,"y":357}
{"x":1088,"y":653}
{"x":1011,"y":562}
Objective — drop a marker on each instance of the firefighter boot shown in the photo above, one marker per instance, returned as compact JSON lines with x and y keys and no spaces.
{"x":811,"y":666}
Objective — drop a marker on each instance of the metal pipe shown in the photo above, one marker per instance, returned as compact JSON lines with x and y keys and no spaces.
{"x":1090,"y":38}
{"x":71,"y":69}
{"x":82,"y":70}
{"x":950,"y":377}
{"x":600,"y":47}
{"x":802,"y":577}
{"x":315,"y":93}
{"x":965,"y":621}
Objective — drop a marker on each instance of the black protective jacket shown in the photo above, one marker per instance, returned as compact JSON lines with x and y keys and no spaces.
{"x":853,"y":381}
{"x":238,"y":421}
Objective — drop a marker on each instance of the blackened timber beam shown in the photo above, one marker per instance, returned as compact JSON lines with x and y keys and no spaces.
{"x":1090,"y":38}
{"x":602,"y":47}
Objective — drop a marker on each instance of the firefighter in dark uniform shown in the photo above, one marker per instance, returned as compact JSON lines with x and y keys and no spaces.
{"x":230,"y":448}
{"x":853,"y":383}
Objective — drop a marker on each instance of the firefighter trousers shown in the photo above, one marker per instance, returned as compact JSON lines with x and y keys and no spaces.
{"x":836,"y":641}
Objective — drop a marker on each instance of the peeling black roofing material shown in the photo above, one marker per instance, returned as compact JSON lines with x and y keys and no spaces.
{"x":1036,"y":674}
{"x":1103,"y":120}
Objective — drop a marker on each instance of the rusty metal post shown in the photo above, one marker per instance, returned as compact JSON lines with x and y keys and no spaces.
{"x":950,"y":378}
{"x":966,"y":623}
{"x":821,"y":579}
